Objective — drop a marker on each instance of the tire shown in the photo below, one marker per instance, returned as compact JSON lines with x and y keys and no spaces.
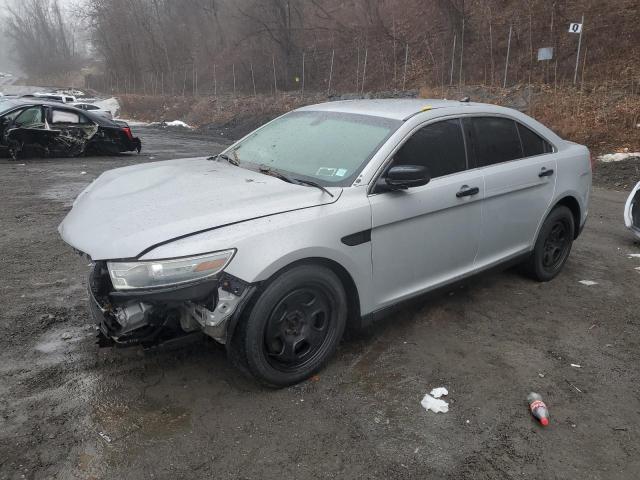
{"x":293,"y":327}
{"x":553,"y":245}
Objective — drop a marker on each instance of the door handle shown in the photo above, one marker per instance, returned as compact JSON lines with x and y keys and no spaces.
{"x":545,"y":173}
{"x":467,"y":191}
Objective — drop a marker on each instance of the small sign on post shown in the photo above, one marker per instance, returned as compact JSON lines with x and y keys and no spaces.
{"x":545,"y":53}
{"x":575,"y":28}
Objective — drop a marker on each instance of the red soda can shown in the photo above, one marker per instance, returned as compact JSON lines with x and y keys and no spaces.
{"x":538,"y":408}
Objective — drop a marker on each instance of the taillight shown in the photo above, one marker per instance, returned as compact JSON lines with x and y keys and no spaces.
{"x":127,"y":132}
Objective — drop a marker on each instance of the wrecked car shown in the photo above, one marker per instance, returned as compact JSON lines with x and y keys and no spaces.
{"x":53,"y":129}
{"x":325,"y":218}
{"x":632,"y":211}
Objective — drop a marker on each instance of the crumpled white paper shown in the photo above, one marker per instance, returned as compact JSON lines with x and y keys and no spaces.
{"x":432,"y":401}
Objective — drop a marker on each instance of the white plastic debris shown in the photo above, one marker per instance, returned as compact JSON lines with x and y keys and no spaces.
{"x":634,"y":255}
{"x":432,"y":401}
{"x":588,"y":283}
{"x":439,"y":392}
{"x":83,"y":173}
{"x":575,"y":365}
{"x":105,"y":437}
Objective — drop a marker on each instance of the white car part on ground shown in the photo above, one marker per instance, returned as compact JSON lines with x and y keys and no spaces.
{"x":632,"y":211}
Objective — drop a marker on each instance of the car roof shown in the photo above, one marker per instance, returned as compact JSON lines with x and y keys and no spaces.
{"x":396,"y":109}
{"x":6,"y":105}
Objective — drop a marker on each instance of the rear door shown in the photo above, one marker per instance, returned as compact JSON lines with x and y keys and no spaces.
{"x":519,"y":169}
{"x":426,"y":236}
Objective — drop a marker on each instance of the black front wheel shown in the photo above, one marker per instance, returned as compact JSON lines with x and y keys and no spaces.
{"x":294,"y":326}
{"x":553,"y":245}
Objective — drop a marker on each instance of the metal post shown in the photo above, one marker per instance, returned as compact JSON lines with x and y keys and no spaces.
{"x":364,"y":68}
{"x":506,"y":66}
{"x":575,"y":75}
{"x":461,"y":52}
{"x":275,"y":78}
{"x":453,"y":57}
{"x":215,"y":81}
{"x":333,"y":52}
{"x":406,"y":60}
{"x":253,"y":80}
{"x":303,"y":54}
{"x":234,"y":79}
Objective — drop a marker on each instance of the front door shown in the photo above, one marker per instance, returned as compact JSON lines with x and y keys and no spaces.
{"x":427,"y":236}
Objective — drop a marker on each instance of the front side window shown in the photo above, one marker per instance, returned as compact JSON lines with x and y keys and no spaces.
{"x":30,"y":117}
{"x":439,"y":147}
{"x":496,"y":140}
{"x":330,"y":148}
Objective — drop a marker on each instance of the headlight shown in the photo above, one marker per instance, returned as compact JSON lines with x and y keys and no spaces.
{"x":165,"y":273}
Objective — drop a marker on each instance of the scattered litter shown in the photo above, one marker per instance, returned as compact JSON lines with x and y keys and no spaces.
{"x":538,"y":408}
{"x":620,"y":429}
{"x":416,"y":450}
{"x":617,"y":157}
{"x":571,"y":384}
{"x":66,"y":336}
{"x":593,"y":326}
{"x":576,"y":365}
{"x":633,"y":255}
{"x":105,"y":437}
{"x":541,"y":375}
{"x":315,"y":378}
{"x":588,"y":282}
{"x":434,"y":404}
{"x":439,"y":392}
{"x":83,"y":173}
{"x":468,"y":422}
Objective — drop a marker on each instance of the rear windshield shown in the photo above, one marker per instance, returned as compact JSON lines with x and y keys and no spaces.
{"x":330,"y":148}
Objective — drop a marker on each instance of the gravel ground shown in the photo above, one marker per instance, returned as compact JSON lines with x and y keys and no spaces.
{"x":71,"y":410}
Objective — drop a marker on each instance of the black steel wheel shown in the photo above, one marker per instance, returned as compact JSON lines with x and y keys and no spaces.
{"x":553,"y":245}
{"x":294,"y":326}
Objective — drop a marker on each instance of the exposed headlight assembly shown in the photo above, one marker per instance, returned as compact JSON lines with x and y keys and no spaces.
{"x":167,"y":273}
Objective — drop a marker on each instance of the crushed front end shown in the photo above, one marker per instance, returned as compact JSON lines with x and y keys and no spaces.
{"x":152,"y":316}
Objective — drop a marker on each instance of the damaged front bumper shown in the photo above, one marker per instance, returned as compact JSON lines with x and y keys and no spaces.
{"x":154,"y":316}
{"x":632,"y":211}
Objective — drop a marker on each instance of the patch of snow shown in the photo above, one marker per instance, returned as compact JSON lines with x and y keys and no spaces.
{"x":617,"y":157}
{"x":434,"y":404}
{"x":177,"y":123}
{"x":588,"y":283}
{"x":110,"y":104}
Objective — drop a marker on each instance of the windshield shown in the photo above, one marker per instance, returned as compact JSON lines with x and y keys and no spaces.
{"x":328,"y":147}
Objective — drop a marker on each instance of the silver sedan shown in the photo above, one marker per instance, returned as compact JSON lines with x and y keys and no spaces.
{"x":325,"y":218}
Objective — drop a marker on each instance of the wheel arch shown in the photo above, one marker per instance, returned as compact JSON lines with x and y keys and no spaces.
{"x":572,"y":204}
{"x":348,"y":283}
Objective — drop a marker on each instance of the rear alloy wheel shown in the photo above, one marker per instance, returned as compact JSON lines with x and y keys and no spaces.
{"x":553,"y":245}
{"x":294,"y":326}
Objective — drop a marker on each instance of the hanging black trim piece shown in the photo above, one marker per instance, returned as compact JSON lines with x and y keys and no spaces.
{"x":357,"y":238}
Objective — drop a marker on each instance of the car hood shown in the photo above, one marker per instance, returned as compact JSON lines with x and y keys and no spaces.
{"x":126,"y":211}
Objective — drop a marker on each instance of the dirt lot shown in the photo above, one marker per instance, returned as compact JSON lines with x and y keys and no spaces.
{"x":70,"y":410}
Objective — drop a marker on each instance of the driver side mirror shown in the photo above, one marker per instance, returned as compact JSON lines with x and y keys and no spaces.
{"x":403,"y":177}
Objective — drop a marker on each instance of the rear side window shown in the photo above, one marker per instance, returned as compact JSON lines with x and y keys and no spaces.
{"x":532,"y":143}
{"x":496,"y":140}
{"x":439,"y":147}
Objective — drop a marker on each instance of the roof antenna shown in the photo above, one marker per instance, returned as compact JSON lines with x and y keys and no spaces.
{"x":465,"y":99}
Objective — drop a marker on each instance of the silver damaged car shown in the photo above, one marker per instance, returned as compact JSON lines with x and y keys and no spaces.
{"x":323,"y":219}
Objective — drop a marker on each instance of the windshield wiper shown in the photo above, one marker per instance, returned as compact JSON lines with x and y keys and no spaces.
{"x":224,"y":156}
{"x":300,"y":181}
{"x":312,"y":184}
